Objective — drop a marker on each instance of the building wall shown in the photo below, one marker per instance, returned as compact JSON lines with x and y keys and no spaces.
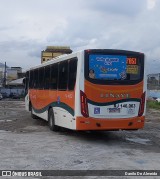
{"x":12,"y":90}
{"x":12,"y":73}
{"x":153,"y":81}
{"x":54,"y":51}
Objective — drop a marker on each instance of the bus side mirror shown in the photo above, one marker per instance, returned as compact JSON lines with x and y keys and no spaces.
{"x":24,"y":81}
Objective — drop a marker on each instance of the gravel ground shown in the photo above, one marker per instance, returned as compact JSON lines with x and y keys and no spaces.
{"x":28,"y":144}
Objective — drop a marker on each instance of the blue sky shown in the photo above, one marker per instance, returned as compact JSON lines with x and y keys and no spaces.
{"x":27,"y":27}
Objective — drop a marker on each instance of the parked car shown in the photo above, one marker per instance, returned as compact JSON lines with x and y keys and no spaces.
{"x":1,"y":97}
{"x":4,"y":95}
{"x":15,"y":96}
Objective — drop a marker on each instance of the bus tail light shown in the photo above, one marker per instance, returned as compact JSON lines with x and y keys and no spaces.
{"x":84,"y":104}
{"x":142,"y":104}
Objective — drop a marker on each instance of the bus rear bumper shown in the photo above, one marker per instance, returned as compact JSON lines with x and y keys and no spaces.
{"x":90,"y":123}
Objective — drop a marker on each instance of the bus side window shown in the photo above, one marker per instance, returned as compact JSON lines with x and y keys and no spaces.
{"x":31,"y":79}
{"x":41,"y":78}
{"x":63,"y":75}
{"x":72,"y":74}
{"x":47,"y":77}
{"x":36,"y":77}
{"x":54,"y":76}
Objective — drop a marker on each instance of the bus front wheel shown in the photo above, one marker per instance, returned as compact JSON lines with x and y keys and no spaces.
{"x":51,"y":121}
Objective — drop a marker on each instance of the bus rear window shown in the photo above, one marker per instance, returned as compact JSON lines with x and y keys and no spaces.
{"x":114,"y":67}
{"x":118,"y":68}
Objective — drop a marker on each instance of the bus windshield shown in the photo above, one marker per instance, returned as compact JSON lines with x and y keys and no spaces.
{"x":110,"y":68}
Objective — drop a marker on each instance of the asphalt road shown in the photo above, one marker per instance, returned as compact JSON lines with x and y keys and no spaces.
{"x":28,"y":144}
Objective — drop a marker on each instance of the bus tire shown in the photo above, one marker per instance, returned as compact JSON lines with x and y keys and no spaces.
{"x":51,"y":121}
{"x":32,"y":115}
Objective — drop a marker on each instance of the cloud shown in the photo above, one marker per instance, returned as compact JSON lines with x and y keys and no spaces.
{"x":29,"y":26}
{"x":24,"y":53}
{"x":151,"y":4}
{"x":114,"y":7}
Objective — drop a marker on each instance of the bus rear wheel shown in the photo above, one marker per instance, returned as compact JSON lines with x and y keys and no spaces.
{"x":51,"y":121}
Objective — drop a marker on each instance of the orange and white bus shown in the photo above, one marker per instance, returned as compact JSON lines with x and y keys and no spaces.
{"x":95,"y":89}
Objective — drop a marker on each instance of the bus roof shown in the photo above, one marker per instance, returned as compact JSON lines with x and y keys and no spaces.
{"x":73,"y":54}
{"x":54,"y":60}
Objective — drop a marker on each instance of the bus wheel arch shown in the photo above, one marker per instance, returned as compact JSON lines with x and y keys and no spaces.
{"x":31,"y":110}
{"x":30,"y":106}
{"x":51,"y":120}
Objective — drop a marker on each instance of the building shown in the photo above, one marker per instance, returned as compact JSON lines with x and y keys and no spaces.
{"x":54,"y":51}
{"x":18,"y":69}
{"x":153,"y":81}
{"x":19,"y":72}
{"x":8,"y":74}
{"x":13,"y":89}
{"x":14,"y":73}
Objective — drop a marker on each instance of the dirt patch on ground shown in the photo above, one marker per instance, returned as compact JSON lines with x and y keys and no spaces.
{"x":152,"y":115}
{"x":14,"y":117}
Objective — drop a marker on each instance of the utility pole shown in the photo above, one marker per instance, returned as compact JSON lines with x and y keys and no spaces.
{"x":4,"y":80}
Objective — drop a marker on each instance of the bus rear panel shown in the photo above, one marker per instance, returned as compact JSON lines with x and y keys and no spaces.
{"x":112,"y":92}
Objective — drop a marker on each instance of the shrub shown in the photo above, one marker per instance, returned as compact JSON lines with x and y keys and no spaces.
{"x":153,"y":104}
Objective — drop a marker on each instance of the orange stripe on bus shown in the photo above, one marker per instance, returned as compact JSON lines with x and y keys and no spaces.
{"x":94,"y":91}
{"x":41,"y":98}
{"x":117,"y":88}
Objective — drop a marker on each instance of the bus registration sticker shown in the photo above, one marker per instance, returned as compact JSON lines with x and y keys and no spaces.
{"x":114,"y":110}
{"x":132,"y":69}
{"x":97,"y":110}
{"x":131,"y":110}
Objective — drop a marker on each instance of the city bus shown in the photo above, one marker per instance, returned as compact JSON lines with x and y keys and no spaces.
{"x":93,"y":89}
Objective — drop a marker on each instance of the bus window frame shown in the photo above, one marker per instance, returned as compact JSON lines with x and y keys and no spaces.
{"x":34,"y":82}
